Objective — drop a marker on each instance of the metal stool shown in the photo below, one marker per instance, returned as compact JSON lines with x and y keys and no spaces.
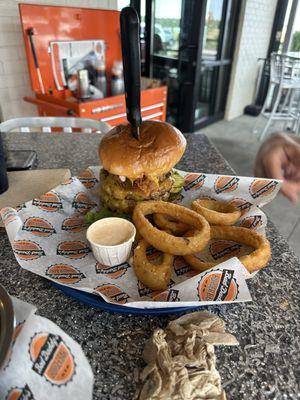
{"x":284,"y":83}
{"x":67,"y":124}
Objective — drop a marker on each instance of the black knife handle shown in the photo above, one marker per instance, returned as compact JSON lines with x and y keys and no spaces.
{"x":30,"y":34}
{"x":130,"y":37}
{"x":3,"y":173}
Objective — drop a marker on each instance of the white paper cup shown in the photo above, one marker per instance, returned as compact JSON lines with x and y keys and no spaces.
{"x":115,"y":254}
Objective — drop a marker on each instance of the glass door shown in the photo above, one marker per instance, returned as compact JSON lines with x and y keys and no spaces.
{"x":162,"y":46}
{"x":209,"y":65}
{"x":189,"y":46}
{"x":213,"y":71}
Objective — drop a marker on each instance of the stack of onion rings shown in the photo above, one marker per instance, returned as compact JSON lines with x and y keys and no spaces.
{"x":185,"y":232}
{"x":156,"y":277}
{"x":164,"y":241}
{"x":253,"y":261}
{"x":217,"y":212}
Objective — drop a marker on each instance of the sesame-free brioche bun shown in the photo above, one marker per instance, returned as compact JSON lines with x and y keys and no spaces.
{"x":159,"y":148}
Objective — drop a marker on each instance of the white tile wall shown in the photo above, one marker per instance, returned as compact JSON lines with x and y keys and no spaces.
{"x":14,"y":76}
{"x":255,"y":26}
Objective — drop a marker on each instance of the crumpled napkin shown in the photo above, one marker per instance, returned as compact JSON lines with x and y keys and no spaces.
{"x":181,"y":359}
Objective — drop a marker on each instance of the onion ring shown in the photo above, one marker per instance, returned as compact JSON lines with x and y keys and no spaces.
{"x":217,"y":212}
{"x":253,"y":261}
{"x":156,"y":277}
{"x":176,"y":227}
{"x":164,"y":241}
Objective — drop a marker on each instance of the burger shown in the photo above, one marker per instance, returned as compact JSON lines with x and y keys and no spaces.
{"x":140,"y":169}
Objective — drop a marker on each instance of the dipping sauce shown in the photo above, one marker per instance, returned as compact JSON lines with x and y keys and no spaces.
{"x":111,"y":240}
{"x":111,"y":232}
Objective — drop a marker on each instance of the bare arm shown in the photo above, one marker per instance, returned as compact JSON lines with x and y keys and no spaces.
{"x":279,"y":158}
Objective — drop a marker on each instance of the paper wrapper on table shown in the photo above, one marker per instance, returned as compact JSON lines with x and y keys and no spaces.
{"x":44,"y":363}
{"x":181,"y":359}
{"x":48,"y":236}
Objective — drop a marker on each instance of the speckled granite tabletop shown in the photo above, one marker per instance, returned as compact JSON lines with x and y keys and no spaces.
{"x":264,"y":366}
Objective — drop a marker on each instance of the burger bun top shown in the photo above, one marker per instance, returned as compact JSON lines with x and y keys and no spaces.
{"x":159,"y":148}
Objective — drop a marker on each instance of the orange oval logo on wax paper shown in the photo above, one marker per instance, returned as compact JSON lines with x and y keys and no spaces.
{"x":224,"y":249}
{"x":27,"y":250}
{"x":262,"y":187}
{"x":48,"y":202}
{"x":168,"y":295}
{"x":87,"y":178}
{"x":38,"y":227}
{"x":74,"y":224}
{"x":155,"y":293}
{"x":18,"y":393}
{"x":181,"y":267}
{"x":8,"y":215}
{"x":20,"y":207}
{"x":143,"y":290}
{"x":225,"y":184}
{"x":74,"y":250}
{"x":113,"y":292}
{"x":218,"y":286}
{"x":17,"y":331}
{"x":193,"y":181}
{"x":83,"y":203}
{"x":51,"y":358}
{"x":252,"y":222}
{"x":242,"y":204}
{"x":114,"y":272}
{"x":64,"y":273}
{"x":153,"y":254}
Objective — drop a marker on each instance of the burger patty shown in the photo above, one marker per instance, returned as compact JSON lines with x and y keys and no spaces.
{"x":138,"y":190}
{"x":123,"y":196}
{"x":126,"y":205}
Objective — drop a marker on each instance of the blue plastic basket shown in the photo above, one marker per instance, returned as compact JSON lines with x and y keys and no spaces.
{"x":96,"y":301}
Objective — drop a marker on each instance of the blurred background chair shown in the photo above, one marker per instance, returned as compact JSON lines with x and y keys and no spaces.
{"x":282,"y":100}
{"x":45,"y":124}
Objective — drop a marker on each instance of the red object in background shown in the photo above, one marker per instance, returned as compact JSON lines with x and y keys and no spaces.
{"x":52,"y":23}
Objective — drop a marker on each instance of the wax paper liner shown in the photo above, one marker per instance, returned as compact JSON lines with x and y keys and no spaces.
{"x":48,"y":236}
{"x":44,"y":362}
